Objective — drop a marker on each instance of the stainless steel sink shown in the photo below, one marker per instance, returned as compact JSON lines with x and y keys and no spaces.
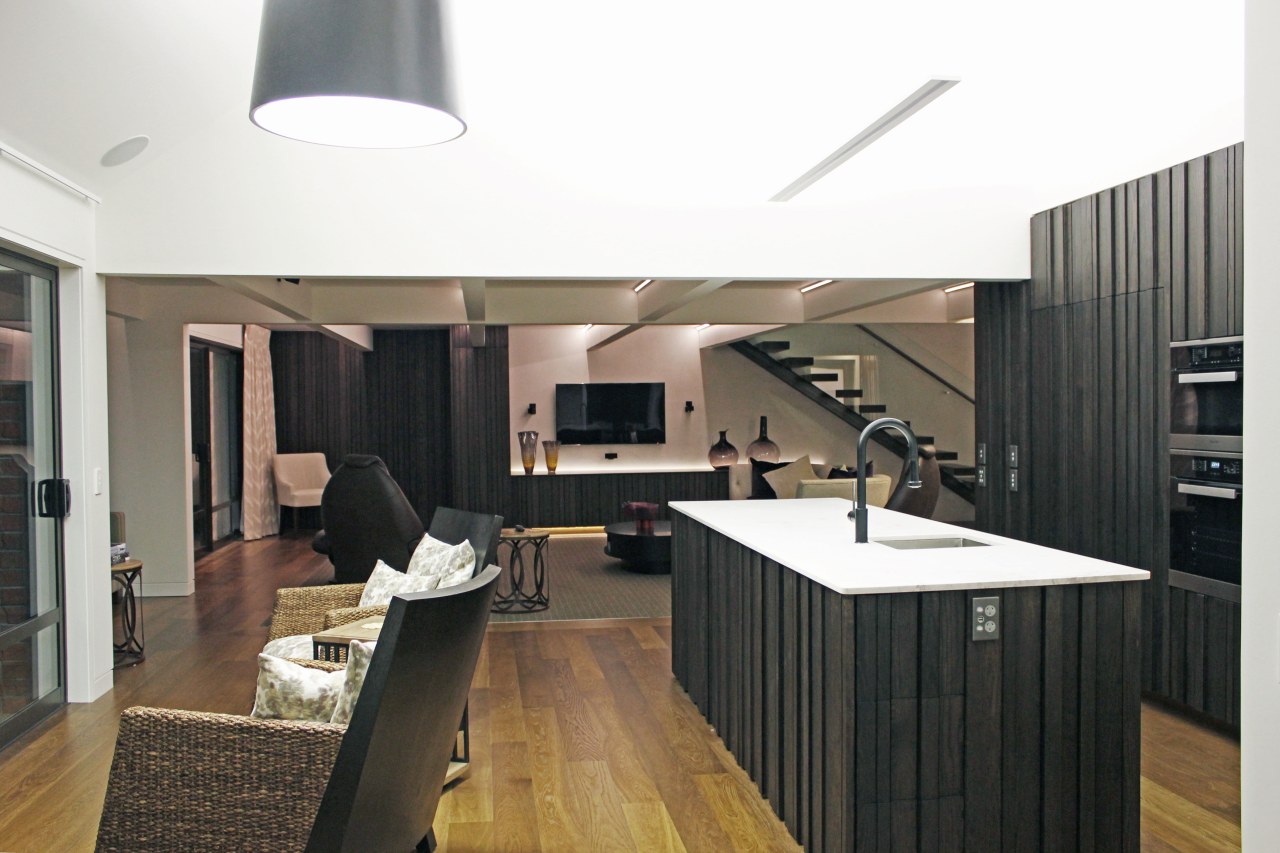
{"x":913,"y":543}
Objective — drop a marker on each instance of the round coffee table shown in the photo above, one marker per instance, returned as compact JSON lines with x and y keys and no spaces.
{"x":646,"y":553}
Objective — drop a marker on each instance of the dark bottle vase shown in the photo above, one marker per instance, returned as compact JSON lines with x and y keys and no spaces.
{"x":762,"y":449}
{"x":722,"y":453}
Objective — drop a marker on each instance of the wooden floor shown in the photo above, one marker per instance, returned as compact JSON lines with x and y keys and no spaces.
{"x":581,"y":740}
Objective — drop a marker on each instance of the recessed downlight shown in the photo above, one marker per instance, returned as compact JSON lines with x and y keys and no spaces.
{"x":953,"y":288}
{"x":120,"y":154}
{"x":816,"y":285}
{"x":586,"y":326}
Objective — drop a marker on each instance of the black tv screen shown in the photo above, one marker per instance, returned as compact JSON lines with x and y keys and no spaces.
{"x":612,"y":413}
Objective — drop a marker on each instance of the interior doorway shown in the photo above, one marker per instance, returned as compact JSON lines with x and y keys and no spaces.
{"x":217,"y":387}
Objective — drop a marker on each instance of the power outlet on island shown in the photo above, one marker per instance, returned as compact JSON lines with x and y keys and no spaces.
{"x":985,"y":621}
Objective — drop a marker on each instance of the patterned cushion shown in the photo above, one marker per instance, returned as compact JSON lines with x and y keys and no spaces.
{"x":287,"y":691}
{"x":448,"y":564}
{"x":358,"y":656}
{"x":386,"y":582}
{"x":296,"y":646}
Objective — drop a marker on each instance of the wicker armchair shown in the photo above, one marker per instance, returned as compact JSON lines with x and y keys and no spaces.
{"x":182,"y":780}
{"x":310,"y":609}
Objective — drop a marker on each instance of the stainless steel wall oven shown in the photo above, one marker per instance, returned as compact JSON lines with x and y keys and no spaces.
{"x":1207,"y":395}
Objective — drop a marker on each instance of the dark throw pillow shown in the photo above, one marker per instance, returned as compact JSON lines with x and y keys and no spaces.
{"x":760,"y":488}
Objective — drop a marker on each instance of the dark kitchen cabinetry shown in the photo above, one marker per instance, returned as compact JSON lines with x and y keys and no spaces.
{"x":1204,"y":654}
{"x":1073,"y":369}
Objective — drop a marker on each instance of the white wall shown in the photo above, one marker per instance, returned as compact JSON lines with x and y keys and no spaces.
{"x":910,"y":394}
{"x":1260,"y":644}
{"x":542,"y":356}
{"x":43,"y":220}
{"x":728,"y":392}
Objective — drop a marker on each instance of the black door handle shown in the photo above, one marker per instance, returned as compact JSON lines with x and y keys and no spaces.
{"x":53,"y":498}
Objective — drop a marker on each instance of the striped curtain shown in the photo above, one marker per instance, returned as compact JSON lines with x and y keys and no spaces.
{"x":261,"y":512}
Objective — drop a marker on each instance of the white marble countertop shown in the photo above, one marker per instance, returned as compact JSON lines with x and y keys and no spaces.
{"x":815,"y":538}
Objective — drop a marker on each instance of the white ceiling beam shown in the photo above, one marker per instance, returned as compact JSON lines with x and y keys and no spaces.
{"x":662,"y":298}
{"x":843,"y":297}
{"x":613,"y":337}
{"x":473,"y":291}
{"x":292,"y":300}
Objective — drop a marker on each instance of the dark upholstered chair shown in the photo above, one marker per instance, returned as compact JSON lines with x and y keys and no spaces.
{"x":921,"y":501}
{"x":366,"y":518}
{"x":183,"y":780}
{"x":310,"y":609}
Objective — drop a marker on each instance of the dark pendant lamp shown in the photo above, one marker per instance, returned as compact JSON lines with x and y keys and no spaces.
{"x":354,"y":73}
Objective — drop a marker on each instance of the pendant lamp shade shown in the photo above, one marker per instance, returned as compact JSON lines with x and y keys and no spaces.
{"x":354,"y":73}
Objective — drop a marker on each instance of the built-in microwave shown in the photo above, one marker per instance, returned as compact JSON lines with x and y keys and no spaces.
{"x":1207,"y":395}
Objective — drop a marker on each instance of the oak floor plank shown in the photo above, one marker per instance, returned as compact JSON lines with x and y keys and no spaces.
{"x":1171,"y":819}
{"x":616,"y":727}
{"x":597,"y":807}
{"x":557,"y":828}
{"x":652,"y":829}
{"x":739,"y":813}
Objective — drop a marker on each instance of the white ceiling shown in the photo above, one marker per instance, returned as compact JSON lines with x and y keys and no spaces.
{"x":586,"y":111}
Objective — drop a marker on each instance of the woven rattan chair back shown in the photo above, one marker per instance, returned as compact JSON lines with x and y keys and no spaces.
{"x":386,"y":783}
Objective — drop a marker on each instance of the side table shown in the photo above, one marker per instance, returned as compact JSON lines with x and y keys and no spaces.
{"x":527,"y":591}
{"x":646,"y":553}
{"x":127,"y":577}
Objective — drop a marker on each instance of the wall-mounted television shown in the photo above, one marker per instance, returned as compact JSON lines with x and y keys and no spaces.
{"x":612,"y":413}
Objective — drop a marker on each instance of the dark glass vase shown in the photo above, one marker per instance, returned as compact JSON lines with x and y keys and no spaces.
{"x":762,"y":449}
{"x":722,"y":453}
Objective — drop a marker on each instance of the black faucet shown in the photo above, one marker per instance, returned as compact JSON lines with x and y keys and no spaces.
{"x":913,"y":472}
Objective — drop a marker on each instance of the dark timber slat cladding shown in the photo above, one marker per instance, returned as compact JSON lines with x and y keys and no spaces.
{"x":873,"y":722}
{"x":406,"y":377}
{"x":477,"y":416}
{"x":320,"y":396}
{"x":566,"y":500}
{"x":1160,"y":260}
{"x":1204,"y":648}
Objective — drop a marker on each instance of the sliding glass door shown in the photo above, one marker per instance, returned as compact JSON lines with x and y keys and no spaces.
{"x":33,"y":500}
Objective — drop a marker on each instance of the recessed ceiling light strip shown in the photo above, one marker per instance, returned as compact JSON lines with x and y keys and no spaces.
{"x":816,"y":285}
{"x":703,"y":326}
{"x":913,"y":103}
{"x":953,"y":288}
{"x":642,"y":285}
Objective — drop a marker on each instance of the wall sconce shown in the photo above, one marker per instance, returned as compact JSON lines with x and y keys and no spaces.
{"x":533,"y":408}
{"x":688,"y":405}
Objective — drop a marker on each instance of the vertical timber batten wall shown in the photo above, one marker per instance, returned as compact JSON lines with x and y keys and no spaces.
{"x":1073,"y":368}
{"x":873,"y":723}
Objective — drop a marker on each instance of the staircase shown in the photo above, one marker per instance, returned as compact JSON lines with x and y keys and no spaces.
{"x":846,"y":404}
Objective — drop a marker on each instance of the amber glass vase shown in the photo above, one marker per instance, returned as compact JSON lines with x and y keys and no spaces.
{"x":528,"y":449}
{"x":551,"y":449}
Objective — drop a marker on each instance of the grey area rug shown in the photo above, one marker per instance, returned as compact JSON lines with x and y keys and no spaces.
{"x":586,"y":584}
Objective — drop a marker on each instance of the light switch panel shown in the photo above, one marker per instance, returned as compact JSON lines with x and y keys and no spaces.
{"x":1013,"y":480}
{"x":982,"y":453}
{"x":982,"y":475}
{"x":1013,"y":456}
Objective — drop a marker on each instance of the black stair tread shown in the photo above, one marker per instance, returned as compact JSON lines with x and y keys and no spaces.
{"x":849,"y":392}
{"x":971,"y":479}
{"x":959,"y":469}
{"x":796,"y":361}
{"x":819,"y":377}
{"x":925,"y":439}
{"x":773,"y":346}
{"x":947,"y":455}
{"x":873,"y":407}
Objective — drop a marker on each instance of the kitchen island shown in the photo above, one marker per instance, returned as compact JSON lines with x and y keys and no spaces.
{"x":847,"y":680}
